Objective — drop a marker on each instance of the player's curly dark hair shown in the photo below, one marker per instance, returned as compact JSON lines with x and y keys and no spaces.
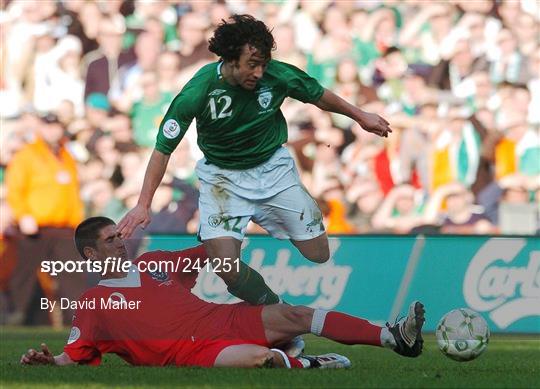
{"x":231,"y":36}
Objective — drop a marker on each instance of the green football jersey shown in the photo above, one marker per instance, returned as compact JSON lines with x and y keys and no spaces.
{"x":236,"y":128}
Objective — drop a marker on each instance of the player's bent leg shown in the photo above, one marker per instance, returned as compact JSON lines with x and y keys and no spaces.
{"x":283,"y":322}
{"x":242,"y":281}
{"x":224,"y":247}
{"x":246,"y":355}
{"x":316,"y":249}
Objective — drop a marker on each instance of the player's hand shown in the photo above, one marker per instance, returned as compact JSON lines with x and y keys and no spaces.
{"x":33,"y":357}
{"x":371,"y":122}
{"x":138,"y":216}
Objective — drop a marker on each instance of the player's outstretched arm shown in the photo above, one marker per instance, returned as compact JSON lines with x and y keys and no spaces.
{"x":140,"y":214}
{"x":370,"y":122}
{"x":44,"y":357}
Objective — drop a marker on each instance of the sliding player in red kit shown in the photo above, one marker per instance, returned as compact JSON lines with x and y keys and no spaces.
{"x":152,"y":318}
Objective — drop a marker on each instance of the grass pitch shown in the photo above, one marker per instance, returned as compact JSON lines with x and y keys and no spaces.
{"x":510,"y":361}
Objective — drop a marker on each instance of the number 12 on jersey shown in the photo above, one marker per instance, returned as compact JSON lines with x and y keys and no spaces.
{"x":224,"y":105}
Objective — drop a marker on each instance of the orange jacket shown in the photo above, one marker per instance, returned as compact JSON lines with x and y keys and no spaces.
{"x":44,"y":186}
{"x":337,"y":220}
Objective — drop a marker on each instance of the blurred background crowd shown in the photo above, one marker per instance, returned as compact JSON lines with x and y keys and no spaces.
{"x":84,"y":85}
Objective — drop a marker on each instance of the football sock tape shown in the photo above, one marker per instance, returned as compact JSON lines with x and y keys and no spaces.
{"x":317,"y":323}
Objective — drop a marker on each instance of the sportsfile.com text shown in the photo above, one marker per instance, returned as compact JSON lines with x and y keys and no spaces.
{"x":116,"y":264}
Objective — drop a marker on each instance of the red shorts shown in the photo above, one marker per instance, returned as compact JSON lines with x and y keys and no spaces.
{"x":229,"y":325}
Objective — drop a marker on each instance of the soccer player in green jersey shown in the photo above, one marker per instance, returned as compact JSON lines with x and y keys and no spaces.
{"x":246,"y":173}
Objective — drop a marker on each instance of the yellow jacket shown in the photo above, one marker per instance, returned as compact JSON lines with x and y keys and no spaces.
{"x":45,"y":186}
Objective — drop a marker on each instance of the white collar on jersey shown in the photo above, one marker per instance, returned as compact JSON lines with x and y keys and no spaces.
{"x":132,"y":280}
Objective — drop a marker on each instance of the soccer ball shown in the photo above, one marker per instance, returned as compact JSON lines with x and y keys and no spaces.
{"x":462,"y":334}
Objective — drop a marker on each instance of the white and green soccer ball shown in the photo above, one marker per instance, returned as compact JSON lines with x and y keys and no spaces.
{"x":462,"y":334}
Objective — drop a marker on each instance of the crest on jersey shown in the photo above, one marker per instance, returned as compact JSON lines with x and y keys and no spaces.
{"x":217,"y":92}
{"x":265,"y":98}
{"x":215,"y":220}
{"x":160,"y":276}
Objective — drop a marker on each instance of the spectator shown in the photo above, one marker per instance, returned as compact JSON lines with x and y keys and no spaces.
{"x":47,"y":208}
{"x":326,"y":166}
{"x":119,"y":127}
{"x":509,"y":64}
{"x":96,"y":113}
{"x":455,"y":154}
{"x":365,"y":197}
{"x":44,"y":61}
{"x":349,"y":86}
{"x":66,"y":76}
{"x":460,"y":216}
{"x":357,"y":158}
{"x":400,"y":211}
{"x":173,"y":207}
{"x":518,"y":151}
{"x":458,"y":63}
{"x":147,"y":112}
{"x":152,"y":16}
{"x":192,"y":35}
{"x":334,"y":209}
{"x":126,"y":87}
{"x":388,"y":166}
{"x":182,"y":166}
{"x":168,"y":67}
{"x":424,"y":33}
{"x":104,"y":63}
{"x":390,"y":70}
{"x":83,"y":22}
{"x":380,"y":29}
{"x":484,"y":124}
{"x":287,"y":50}
{"x":526,"y":32}
{"x":101,"y":201}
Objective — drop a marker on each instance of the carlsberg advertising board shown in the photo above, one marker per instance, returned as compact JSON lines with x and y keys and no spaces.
{"x":375,"y":277}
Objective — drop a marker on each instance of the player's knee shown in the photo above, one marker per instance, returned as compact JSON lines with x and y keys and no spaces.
{"x":319,"y":256}
{"x":323,"y":256}
{"x":299,"y":315}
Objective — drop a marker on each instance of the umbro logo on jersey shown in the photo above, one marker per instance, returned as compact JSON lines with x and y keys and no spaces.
{"x":217,"y":92}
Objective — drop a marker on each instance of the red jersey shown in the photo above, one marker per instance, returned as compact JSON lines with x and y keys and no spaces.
{"x":154,"y":319}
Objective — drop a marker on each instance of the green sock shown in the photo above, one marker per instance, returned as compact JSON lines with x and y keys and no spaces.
{"x":251,"y":287}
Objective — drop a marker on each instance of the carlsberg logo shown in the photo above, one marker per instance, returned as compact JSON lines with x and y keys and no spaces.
{"x":508,"y":293}
{"x":325,"y":283}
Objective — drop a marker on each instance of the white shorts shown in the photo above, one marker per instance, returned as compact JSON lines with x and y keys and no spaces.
{"x":270,"y":194}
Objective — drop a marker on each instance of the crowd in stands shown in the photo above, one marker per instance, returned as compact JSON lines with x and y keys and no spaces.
{"x":459,"y":82}
{"x":84,"y":85}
